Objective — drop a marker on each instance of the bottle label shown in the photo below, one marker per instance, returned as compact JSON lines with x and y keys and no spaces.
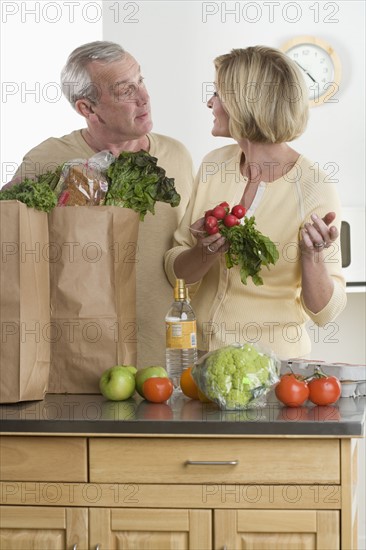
{"x":181,"y":335}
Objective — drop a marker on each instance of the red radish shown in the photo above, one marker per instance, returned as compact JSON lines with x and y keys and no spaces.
{"x":212,"y":230}
{"x":230,"y":220}
{"x":210,"y":222}
{"x":239,"y":211}
{"x":219,"y":212}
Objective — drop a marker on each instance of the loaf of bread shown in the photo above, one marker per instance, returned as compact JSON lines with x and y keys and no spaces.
{"x":82,"y":187}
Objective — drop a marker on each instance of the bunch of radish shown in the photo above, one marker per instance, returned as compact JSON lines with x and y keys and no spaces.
{"x":222,"y":213}
{"x":247,"y":248}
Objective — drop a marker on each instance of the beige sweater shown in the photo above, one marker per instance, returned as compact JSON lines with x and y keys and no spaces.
{"x":154,"y":293}
{"x":273,"y":315}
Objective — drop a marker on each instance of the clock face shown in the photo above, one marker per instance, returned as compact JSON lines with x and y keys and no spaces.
{"x":317,"y":67}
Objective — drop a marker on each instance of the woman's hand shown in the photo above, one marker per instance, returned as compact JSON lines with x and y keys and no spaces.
{"x":193,"y":264}
{"x":318,"y":235}
{"x":210,"y":244}
{"x":317,"y":285}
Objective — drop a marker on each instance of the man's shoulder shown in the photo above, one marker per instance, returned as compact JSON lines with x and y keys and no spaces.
{"x":161,"y":142}
{"x":52,"y":152}
{"x":67,"y":141}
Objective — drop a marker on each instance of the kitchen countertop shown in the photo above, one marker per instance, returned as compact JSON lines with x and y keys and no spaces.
{"x":60,"y":414}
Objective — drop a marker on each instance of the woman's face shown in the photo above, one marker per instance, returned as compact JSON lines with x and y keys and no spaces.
{"x":221,"y":118}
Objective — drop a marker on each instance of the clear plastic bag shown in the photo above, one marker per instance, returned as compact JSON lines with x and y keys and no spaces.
{"x":84,"y":182}
{"x":237,"y":377}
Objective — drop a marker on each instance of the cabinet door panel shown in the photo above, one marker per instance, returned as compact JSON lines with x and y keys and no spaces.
{"x":284,"y":521}
{"x":22,"y":528}
{"x":148,"y":529}
{"x":277,"y":541}
{"x":11,"y":539}
{"x":276,"y":529}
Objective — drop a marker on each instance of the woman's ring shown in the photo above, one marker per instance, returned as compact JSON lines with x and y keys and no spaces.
{"x":319,"y":245}
{"x":210,"y":249}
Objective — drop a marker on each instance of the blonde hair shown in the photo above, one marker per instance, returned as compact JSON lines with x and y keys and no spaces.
{"x":264,"y":94}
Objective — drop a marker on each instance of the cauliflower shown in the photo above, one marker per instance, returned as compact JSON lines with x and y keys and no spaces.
{"x":236,"y":376}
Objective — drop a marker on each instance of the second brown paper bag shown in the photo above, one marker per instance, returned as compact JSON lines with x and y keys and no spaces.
{"x":24,"y":303}
{"x":93,"y":294}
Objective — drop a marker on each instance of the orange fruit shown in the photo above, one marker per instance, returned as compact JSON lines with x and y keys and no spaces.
{"x":202,"y":397}
{"x":188,"y":385}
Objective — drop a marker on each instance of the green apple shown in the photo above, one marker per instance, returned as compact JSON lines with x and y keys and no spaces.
{"x":148,"y":372}
{"x":117,"y":383}
{"x":131,"y":368}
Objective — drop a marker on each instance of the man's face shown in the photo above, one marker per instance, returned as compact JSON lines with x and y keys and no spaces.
{"x":123,"y":109}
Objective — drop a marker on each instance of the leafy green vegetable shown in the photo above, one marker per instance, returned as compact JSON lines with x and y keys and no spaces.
{"x":51,"y":178}
{"x":235,"y":377}
{"x":34,"y":193}
{"x":137,"y":182}
{"x":248,"y":249}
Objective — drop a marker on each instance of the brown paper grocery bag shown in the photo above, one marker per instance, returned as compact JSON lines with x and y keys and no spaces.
{"x":93,"y":291}
{"x":24,"y":303}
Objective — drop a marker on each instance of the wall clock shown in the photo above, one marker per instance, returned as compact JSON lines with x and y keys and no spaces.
{"x":321,"y":67}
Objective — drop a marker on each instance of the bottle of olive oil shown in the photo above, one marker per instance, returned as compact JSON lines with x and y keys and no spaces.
{"x":181,"y":334}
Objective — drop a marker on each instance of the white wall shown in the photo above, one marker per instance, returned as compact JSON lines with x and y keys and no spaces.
{"x":36,"y":38}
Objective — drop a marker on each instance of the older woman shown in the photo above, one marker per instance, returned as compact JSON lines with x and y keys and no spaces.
{"x":261,"y":102}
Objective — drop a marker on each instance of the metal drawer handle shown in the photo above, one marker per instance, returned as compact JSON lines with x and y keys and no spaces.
{"x":211,"y":462}
{"x":75,"y":547}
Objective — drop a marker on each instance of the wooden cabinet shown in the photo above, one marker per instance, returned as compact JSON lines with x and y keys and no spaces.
{"x":43,"y":528}
{"x":276,"y":529}
{"x":160,"y":529}
{"x":178,"y":492}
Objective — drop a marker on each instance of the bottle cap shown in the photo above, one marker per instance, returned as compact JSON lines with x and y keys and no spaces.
{"x":180,"y":290}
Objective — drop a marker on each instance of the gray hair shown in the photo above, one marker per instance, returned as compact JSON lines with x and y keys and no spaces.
{"x":75,"y":79}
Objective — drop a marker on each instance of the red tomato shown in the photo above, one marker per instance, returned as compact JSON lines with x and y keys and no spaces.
{"x":210,"y":222}
{"x":230,"y":220}
{"x":157,"y":389}
{"x":324,"y":390}
{"x":239,"y":211}
{"x":292,"y":390}
{"x":219,"y":212}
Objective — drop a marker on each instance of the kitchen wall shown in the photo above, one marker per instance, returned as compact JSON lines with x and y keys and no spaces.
{"x":175,"y":42}
{"x":36,"y":38}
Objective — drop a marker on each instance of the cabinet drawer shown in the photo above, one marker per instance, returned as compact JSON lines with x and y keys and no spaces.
{"x":160,"y":460}
{"x":26,"y":458}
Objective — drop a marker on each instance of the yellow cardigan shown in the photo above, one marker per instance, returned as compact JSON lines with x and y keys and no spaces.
{"x":272,"y":315}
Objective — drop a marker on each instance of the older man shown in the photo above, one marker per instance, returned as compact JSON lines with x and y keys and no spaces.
{"x":105,"y":86}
